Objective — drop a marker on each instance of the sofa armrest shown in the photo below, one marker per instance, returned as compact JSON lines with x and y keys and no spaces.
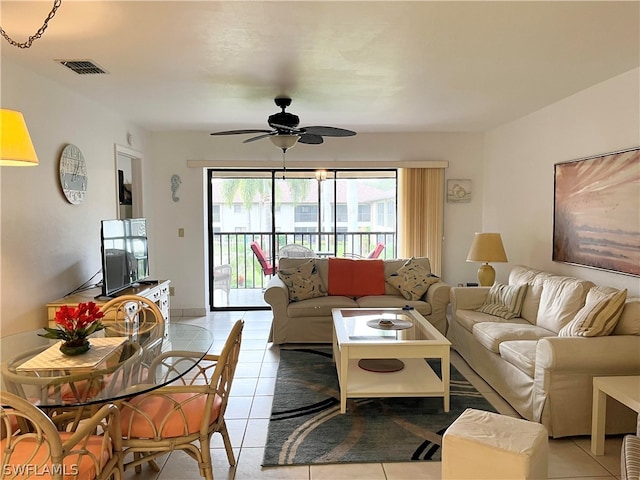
{"x":610,"y":355}
{"x":563,"y":383}
{"x":276,"y":294}
{"x":467,"y":298}
{"x":438,"y":297}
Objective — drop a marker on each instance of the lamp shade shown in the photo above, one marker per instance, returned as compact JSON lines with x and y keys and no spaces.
{"x":16,"y":148}
{"x":487,"y":247}
{"x":284,"y":141}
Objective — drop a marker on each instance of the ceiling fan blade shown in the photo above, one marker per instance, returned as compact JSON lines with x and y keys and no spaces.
{"x":329,"y":131}
{"x":253,"y":139}
{"x":310,"y":138}
{"x":240,"y":132}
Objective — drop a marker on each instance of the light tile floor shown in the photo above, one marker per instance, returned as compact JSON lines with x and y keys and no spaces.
{"x":250,"y":406}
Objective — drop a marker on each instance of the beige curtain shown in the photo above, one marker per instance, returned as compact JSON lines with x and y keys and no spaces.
{"x":420,"y":212}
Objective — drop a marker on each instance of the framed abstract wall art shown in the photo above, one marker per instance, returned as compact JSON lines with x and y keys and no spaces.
{"x":596,"y":217}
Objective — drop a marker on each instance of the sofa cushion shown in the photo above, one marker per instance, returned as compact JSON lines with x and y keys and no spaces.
{"x":629,"y":322}
{"x":356,"y":278}
{"x":469,"y":318}
{"x":412,"y":280}
{"x":393,"y":301}
{"x":303,"y":281}
{"x":491,"y":334}
{"x":531,"y":302}
{"x":534,"y":278}
{"x":504,"y":301}
{"x":521,"y":354}
{"x":319,"y":307}
{"x":599,"y":316}
{"x":560,"y":300}
{"x":523,"y":274}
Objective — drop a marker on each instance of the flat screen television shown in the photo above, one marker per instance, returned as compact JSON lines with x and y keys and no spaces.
{"x":125,"y":254}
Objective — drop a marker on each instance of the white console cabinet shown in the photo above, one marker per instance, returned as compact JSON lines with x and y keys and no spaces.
{"x":158,"y":293}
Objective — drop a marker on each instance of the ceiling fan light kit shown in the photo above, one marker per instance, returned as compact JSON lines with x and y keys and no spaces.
{"x":284,"y":141}
{"x":285,"y":132}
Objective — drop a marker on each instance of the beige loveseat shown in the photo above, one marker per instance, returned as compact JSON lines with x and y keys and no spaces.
{"x":309,"y":320}
{"x":547,"y":377}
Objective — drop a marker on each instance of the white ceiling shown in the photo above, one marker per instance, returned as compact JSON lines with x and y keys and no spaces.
{"x":368,"y":66}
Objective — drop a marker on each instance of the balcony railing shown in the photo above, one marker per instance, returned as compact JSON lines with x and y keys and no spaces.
{"x":231,"y":248}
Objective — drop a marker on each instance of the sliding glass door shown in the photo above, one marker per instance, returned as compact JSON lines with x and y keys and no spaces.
{"x":254,"y":214}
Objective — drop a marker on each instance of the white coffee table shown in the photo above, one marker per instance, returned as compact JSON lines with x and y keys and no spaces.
{"x":625,"y":389}
{"x":354,"y":339}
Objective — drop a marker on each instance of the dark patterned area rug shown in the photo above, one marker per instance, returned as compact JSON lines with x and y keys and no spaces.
{"x":306,"y":426}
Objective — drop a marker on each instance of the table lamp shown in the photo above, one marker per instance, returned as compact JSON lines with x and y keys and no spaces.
{"x":487,"y":247}
{"x":16,"y":148}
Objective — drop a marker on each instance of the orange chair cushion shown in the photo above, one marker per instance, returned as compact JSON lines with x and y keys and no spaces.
{"x":90,"y":389}
{"x":166,"y":416}
{"x":24,"y":464}
{"x":356,"y":278}
{"x":84,"y":389}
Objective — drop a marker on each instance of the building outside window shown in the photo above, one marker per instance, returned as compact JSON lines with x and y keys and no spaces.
{"x":306,"y":213}
{"x":364,"y":212}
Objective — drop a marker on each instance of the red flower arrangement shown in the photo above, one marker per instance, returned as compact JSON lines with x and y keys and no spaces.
{"x":74,"y":325}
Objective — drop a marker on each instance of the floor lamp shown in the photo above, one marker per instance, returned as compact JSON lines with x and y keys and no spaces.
{"x":487,"y":247}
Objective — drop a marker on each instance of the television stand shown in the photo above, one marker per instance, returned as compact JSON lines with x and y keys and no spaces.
{"x":158,"y":292}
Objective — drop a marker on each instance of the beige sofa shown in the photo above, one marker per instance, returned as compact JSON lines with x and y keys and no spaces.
{"x":309,"y":321}
{"x":546,"y":377}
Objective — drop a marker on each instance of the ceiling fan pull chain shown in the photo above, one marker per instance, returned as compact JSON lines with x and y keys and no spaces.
{"x":36,"y":35}
{"x":284,"y":167}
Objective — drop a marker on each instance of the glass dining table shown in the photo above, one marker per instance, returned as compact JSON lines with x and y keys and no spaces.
{"x":124,"y":361}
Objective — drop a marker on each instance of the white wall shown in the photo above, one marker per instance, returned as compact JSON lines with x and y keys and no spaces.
{"x":183,"y":261}
{"x":48,"y":246}
{"x":518,"y":171}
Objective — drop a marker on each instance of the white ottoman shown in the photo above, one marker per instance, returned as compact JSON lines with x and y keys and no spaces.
{"x":491,"y":446}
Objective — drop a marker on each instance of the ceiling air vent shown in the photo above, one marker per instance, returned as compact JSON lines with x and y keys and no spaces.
{"x":83,"y":67}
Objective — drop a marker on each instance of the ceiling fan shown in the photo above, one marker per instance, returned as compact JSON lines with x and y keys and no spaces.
{"x":285,"y":132}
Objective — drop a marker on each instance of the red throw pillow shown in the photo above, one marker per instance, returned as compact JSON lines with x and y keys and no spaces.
{"x":356,"y":278}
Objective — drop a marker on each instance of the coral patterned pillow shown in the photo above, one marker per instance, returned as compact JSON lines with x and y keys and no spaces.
{"x":412,"y":280}
{"x":303,"y":281}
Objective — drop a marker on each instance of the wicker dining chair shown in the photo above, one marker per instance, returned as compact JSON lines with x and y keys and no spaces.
{"x":125,"y":311}
{"x":184,"y":415}
{"x":133,"y":315}
{"x":33,"y":447}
